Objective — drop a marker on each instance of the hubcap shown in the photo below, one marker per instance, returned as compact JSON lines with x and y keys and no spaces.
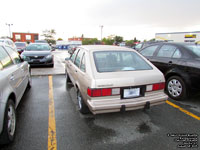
{"x":174,"y":88}
{"x":79,"y":101}
{"x":11,"y":120}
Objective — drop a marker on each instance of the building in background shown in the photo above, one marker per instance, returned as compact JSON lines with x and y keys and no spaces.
{"x":25,"y":37}
{"x":193,"y":37}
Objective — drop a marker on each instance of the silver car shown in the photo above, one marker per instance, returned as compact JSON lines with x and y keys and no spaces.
{"x":14,"y":79}
{"x":113,"y":78}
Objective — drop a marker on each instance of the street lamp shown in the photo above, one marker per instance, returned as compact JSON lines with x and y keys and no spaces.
{"x":8,"y":24}
{"x":101,"y":26}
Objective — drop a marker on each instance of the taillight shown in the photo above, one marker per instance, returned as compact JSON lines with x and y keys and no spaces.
{"x":158,"y":86}
{"x":103,"y":92}
{"x":155,"y":87}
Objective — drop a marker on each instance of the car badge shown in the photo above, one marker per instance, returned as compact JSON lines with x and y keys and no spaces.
{"x":36,"y":56}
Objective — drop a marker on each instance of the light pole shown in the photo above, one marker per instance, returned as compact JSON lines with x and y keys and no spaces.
{"x":101,"y":26}
{"x":8,"y":24}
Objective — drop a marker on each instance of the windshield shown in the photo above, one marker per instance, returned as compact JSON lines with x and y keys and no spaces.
{"x":112,"y":61}
{"x":38,"y":47}
{"x":195,"y":49}
{"x":20,"y":44}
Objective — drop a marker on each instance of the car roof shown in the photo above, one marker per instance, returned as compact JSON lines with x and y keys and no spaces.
{"x":104,"y":48}
{"x":38,"y":44}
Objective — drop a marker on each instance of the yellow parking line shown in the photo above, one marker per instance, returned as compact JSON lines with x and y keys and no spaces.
{"x":183,"y":110}
{"x":52,"y":143}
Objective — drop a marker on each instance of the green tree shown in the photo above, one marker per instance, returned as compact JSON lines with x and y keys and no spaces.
{"x":118,"y":39}
{"x":49,"y":36}
{"x":108,"y":41}
{"x":130,"y":43}
{"x":59,"y":39}
{"x":88,"y":41}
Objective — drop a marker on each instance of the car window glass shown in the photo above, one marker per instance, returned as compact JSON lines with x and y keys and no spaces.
{"x":177,"y":54}
{"x":73,"y":56}
{"x":113,"y":61}
{"x":1,"y":67}
{"x":138,"y":46}
{"x":149,"y":51}
{"x":166,"y":51}
{"x":14,"y":55}
{"x":5,"y":58}
{"x":78,"y":58}
{"x":83,"y":63}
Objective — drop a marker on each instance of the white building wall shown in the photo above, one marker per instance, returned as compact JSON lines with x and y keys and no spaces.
{"x":179,"y":36}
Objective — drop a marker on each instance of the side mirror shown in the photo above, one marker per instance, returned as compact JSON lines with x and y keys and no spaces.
{"x":67,"y":58}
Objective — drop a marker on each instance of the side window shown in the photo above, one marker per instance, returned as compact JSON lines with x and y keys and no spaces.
{"x":177,"y":54}
{"x":138,"y":46}
{"x":1,"y":67}
{"x":14,"y":55}
{"x":83,"y":63}
{"x":78,"y":58}
{"x":74,"y":55}
{"x":166,"y":51}
{"x":149,"y":51}
{"x":5,"y":58}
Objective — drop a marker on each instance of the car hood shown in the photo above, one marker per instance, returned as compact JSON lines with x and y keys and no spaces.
{"x":38,"y":53}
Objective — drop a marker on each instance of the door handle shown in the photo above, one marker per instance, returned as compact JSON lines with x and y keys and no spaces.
{"x":169,"y":63}
{"x":12,"y":78}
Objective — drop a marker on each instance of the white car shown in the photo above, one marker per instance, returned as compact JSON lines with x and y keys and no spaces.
{"x":113,"y":78}
{"x":9,"y":43}
{"x":14,"y":79}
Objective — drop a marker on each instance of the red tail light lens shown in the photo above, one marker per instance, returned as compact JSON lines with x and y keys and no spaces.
{"x":103,"y":92}
{"x":158,"y":86}
{"x":106,"y":92}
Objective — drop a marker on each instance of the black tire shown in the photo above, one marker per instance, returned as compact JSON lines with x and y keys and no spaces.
{"x":8,"y":134}
{"x":83,"y":108}
{"x":67,"y":78}
{"x":29,"y":82}
{"x":176,"y":88}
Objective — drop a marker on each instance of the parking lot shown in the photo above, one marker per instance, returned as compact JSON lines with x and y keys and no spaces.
{"x":168,"y":126}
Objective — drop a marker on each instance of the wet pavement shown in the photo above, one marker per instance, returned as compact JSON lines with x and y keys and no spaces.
{"x":157,"y":128}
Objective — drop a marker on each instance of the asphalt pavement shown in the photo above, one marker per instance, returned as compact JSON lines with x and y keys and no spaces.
{"x":162,"y":127}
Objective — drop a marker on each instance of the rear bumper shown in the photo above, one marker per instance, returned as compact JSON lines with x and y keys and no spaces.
{"x":115,"y":104}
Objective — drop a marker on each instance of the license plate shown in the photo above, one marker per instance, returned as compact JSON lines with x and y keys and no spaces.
{"x":133,"y":92}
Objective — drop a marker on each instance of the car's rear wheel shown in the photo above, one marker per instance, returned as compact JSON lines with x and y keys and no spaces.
{"x":29,"y":82}
{"x":83,"y":108}
{"x":9,"y":125}
{"x":176,"y":88}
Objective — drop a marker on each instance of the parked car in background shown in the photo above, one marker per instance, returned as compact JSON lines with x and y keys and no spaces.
{"x":41,"y":41}
{"x":180,"y":63}
{"x":20,"y":46}
{"x":113,"y":78}
{"x":38,"y":54}
{"x":141,"y":45}
{"x":14,"y":79}
{"x":9,"y":43}
{"x":72,"y":48}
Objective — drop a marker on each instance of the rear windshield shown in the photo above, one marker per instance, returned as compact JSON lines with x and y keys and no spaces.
{"x":20,"y":44}
{"x":113,"y":61}
{"x":195,"y":49}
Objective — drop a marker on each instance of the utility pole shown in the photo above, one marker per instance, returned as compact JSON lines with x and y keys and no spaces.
{"x":101,"y":26}
{"x":8,"y":24}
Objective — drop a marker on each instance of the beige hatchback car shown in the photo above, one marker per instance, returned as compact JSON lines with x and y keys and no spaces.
{"x":112,"y":79}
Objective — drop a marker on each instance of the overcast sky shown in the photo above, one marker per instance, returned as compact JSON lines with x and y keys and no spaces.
{"x":127,"y":18}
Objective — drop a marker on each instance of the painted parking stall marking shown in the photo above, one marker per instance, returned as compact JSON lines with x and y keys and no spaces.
{"x":52,"y":143}
{"x":183,"y":110}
